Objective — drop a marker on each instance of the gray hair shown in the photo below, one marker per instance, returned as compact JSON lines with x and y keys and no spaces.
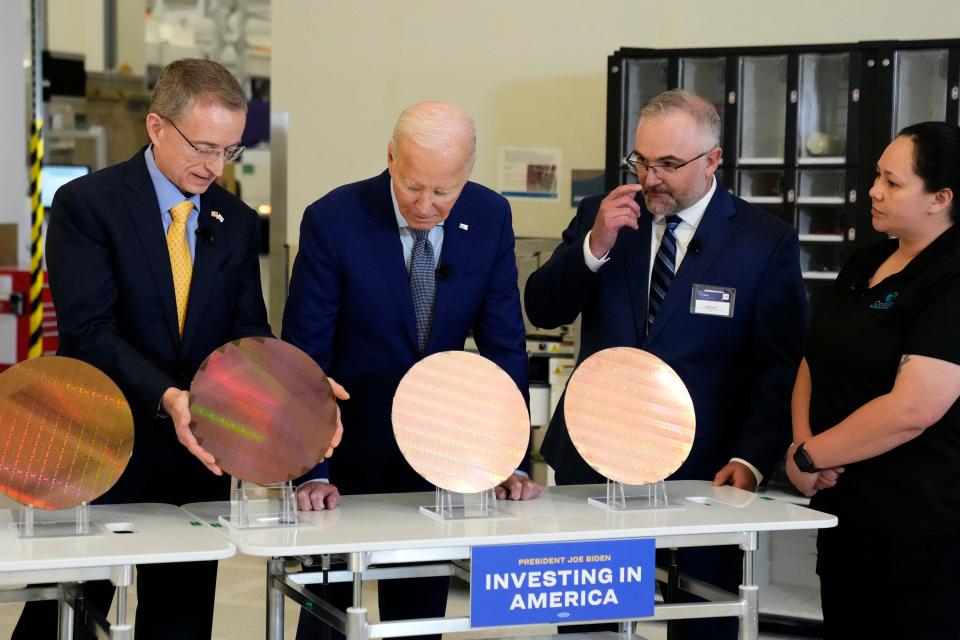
{"x":437,"y":126}
{"x":184,"y":82}
{"x":701,"y":110}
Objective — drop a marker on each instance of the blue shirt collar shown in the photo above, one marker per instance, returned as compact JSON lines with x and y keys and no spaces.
{"x":168,"y":195}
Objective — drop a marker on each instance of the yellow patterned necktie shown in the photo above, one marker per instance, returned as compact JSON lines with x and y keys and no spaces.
{"x":180,"y":262}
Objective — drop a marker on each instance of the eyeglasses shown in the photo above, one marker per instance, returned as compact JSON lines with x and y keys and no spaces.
{"x":209,"y":153}
{"x":640,"y":168}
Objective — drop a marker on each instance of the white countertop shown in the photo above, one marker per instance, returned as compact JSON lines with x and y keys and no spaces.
{"x":386,"y":522}
{"x":161,"y":533}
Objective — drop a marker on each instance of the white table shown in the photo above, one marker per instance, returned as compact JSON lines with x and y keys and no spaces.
{"x":377,"y":531}
{"x":160,"y":533}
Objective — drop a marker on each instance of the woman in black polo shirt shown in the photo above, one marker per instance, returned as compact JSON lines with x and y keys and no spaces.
{"x":876,"y":417}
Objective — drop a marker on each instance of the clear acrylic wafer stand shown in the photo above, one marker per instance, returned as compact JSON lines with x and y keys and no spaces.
{"x":30,"y":522}
{"x":634,"y":497}
{"x":254,"y":506}
{"x":453,"y":505}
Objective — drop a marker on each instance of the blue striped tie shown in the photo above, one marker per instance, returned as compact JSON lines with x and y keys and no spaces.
{"x":664,"y":266}
{"x":423,"y":284}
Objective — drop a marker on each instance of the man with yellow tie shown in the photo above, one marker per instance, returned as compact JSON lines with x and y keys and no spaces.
{"x":152,"y":267}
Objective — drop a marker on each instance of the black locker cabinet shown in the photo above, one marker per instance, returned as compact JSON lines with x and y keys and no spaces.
{"x":803,"y":126}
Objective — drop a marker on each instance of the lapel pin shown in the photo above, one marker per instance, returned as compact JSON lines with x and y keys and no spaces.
{"x":465,"y":227}
{"x":216,"y":214}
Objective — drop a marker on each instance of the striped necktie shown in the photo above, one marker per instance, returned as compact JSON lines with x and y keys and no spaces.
{"x":423,"y":284}
{"x":181,"y":263}
{"x":664,"y":266}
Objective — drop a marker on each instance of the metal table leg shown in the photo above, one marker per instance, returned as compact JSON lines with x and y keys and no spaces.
{"x":358,"y":590}
{"x":672,"y":593}
{"x":749,"y":591}
{"x":275,"y":567}
{"x":66,"y":611}
{"x":122,"y":578}
{"x":121,"y":606}
{"x":357,"y":625}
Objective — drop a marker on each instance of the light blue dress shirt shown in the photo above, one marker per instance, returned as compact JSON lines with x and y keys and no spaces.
{"x":435,"y":236}
{"x":168,"y":196}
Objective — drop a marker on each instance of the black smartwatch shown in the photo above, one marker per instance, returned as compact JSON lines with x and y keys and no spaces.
{"x":804,"y":461}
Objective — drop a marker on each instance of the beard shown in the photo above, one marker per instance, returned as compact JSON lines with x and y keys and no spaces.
{"x":662,"y":200}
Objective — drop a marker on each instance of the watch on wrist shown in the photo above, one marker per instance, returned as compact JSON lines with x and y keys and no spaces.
{"x":804,"y":461}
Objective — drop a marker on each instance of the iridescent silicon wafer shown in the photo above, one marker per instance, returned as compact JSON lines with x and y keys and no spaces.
{"x":66,"y":432}
{"x":460,"y":421}
{"x":264,"y":409}
{"x":629,"y":415}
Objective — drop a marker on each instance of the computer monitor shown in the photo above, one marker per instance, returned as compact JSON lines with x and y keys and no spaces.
{"x":55,"y":176}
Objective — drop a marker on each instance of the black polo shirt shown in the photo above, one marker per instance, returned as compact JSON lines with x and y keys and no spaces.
{"x":854,"y":346}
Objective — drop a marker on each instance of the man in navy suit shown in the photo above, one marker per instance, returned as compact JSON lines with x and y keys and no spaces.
{"x":368,"y":251}
{"x":124,"y":306}
{"x":640,"y":264}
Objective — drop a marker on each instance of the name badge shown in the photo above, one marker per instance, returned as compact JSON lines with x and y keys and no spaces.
{"x":708,"y":300}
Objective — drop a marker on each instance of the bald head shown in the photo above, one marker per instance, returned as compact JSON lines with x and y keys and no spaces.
{"x":441,"y":128}
{"x":429,"y":159}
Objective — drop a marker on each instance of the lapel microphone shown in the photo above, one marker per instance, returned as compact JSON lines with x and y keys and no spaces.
{"x":206,"y":234}
{"x":444,"y":272}
{"x":695,"y":247}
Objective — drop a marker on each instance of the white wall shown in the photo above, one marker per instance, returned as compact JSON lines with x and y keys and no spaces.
{"x":531,"y":72}
{"x":131,"y":35}
{"x":76,"y":26}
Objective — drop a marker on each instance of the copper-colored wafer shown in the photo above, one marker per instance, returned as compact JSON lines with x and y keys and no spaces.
{"x":629,"y":415}
{"x":66,"y":432}
{"x":264,"y":409}
{"x":460,"y":421}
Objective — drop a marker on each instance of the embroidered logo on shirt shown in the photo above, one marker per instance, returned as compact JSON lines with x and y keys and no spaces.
{"x":886,"y":303}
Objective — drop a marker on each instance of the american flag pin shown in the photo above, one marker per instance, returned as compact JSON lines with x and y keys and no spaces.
{"x":465,"y":227}
{"x":216,"y":214}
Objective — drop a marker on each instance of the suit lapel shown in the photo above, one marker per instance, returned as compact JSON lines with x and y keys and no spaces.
{"x":455,"y":256}
{"x":635,"y":249}
{"x":713,"y":232}
{"x":141,"y":202}
{"x":385,"y":241}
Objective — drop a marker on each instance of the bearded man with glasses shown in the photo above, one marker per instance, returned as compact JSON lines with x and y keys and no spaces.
{"x":677,"y":266}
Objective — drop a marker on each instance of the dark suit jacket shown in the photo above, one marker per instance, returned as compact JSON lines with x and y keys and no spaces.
{"x":113,"y":293}
{"x":739,"y":370}
{"x":351,"y":309}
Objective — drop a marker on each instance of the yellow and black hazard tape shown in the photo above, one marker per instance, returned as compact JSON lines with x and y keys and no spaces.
{"x":36,"y":242}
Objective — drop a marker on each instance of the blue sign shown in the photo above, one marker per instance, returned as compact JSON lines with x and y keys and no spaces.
{"x":561,"y":582}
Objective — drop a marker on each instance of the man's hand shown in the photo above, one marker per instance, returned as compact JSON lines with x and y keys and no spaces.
{"x":340,"y":394}
{"x":176,"y":403}
{"x":518,"y":487}
{"x":736,"y":474}
{"x":317,"y":496}
{"x":619,"y":209}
